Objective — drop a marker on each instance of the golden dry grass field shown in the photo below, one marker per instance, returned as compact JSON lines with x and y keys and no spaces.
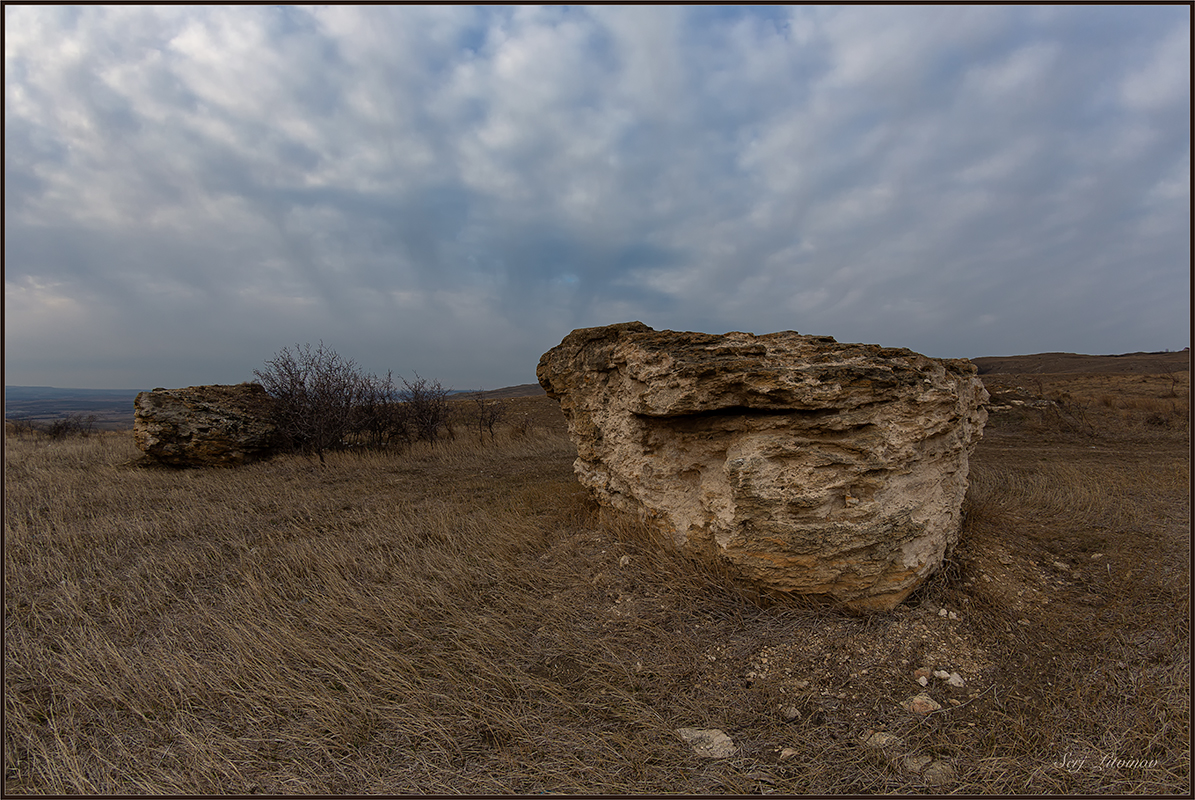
{"x":462,"y":619}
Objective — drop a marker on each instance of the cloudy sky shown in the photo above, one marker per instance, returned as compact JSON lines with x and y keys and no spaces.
{"x":450,"y":190}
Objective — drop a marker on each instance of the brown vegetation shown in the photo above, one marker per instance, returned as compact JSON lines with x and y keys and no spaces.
{"x":461,"y":618}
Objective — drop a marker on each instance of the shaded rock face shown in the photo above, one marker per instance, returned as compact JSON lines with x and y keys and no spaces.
{"x":204,"y":426}
{"x":812,"y":467}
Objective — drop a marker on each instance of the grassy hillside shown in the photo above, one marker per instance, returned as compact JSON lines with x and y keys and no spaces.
{"x":461,"y":618}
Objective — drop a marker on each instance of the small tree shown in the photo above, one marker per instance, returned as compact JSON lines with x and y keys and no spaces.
{"x":316,"y":394}
{"x":427,"y":407}
{"x":486,"y":414}
{"x":71,"y":425}
{"x":382,"y":419}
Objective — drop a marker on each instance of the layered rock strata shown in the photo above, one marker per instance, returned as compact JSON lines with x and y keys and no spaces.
{"x":810,"y":466}
{"x":204,"y":426}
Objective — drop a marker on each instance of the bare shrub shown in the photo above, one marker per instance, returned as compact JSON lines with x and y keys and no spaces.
{"x":22,"y":427}
{"x":381,"y":418}
{"x":427,"y":409}
{"x":485,"y":414}
{"x":71,"y":425}
{"x":316,"y":394}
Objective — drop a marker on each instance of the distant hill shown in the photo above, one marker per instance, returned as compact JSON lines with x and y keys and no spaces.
{"x":522,"y":390}
{"x":1058,"y":363}
{"x":113,"y":408}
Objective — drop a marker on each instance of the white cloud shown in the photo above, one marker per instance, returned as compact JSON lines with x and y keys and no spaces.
{"x":894,"y":172}
{"x":1165,"y":80}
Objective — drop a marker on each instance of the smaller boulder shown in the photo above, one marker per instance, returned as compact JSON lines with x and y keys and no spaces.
{"x":205,"y":426}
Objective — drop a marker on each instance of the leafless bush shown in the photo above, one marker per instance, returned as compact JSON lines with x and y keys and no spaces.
{"x":381,"y":418}
{"x":325,"y":402}
{"x":71,"y":425}
{"x":22,"y":427}
{"x":316,"y":394}
{"x":485,"y":414}
{"x":427,"y":409}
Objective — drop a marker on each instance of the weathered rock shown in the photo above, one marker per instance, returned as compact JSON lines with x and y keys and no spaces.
{"x":921,"y":704}
{"x":708,"y":742}
{"x":810,"y":466}
{"x":203,"y":426}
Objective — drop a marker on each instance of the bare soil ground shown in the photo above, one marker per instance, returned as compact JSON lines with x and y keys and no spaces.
{"x":462,"y":619}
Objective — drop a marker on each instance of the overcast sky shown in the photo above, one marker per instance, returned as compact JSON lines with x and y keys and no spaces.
{"x":451,"y":190}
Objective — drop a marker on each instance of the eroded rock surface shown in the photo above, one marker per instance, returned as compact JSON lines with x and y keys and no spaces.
{"x":202,"y":426}
{"x":812,"y":467}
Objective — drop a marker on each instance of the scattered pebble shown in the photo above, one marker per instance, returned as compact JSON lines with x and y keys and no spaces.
{"x":709,"y":742}
{"x":881,"y":740}
{"x":622,"y":562}
{"x":924,"y":681}
{"x":921,"y":704}
{"x":954,"y":679}
{"x":788,"y":753}
{"x":790,"y":712}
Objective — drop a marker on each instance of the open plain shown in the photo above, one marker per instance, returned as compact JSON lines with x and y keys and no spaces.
{"x":461,"y":618}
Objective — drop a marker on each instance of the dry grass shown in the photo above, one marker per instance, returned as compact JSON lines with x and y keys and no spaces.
{"x":461,"y":619}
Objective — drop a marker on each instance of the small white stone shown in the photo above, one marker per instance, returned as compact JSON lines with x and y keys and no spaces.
{"x":941,"y":673}
{"x":942,"y":612}
{"x":622,"y":562}
{"x":955,"y":679}
{"x":924,"y":681}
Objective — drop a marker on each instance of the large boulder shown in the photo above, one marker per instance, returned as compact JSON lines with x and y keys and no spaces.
{"x":204,"y":426}
{"x":809,"y":466}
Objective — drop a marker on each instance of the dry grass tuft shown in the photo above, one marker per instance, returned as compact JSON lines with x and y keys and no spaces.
{"x":462,"y":619}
